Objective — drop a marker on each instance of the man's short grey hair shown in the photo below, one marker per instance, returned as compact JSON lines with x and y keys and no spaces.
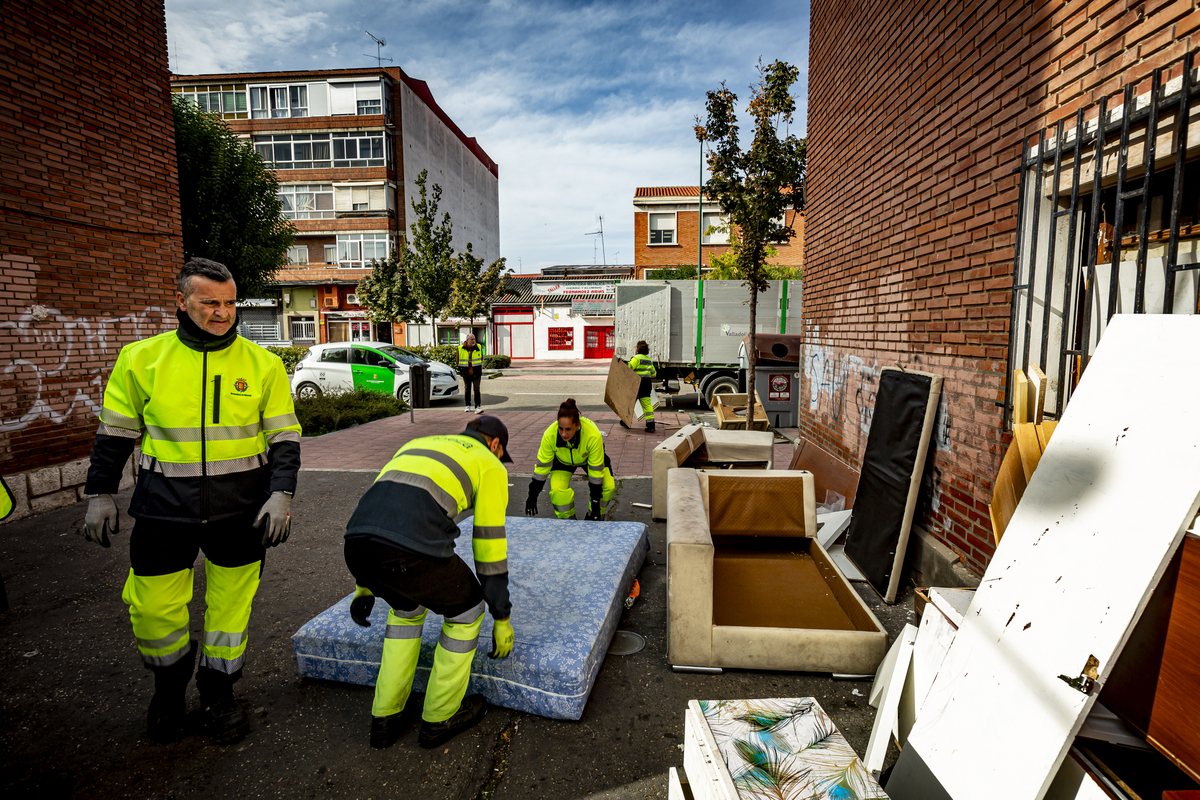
{"x":205,"y":268}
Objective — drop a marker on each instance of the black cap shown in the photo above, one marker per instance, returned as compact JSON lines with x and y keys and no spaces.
{"x":492,"y":426}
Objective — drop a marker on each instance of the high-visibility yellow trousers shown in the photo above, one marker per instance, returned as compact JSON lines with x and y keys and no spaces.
{"x":647,"y":409}
{"x":562,"y":496}
{"x":158,"y":609}
{"x":451,"y":663}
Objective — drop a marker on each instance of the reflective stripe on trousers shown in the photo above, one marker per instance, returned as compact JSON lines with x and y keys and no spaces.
{"x":398,"y":664}
{"x":562,"y":496}
{"x":229,"y":597}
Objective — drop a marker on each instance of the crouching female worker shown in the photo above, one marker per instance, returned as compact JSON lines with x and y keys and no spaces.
{"x":571,"y":442}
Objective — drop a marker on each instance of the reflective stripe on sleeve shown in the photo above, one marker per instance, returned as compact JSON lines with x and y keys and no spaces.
{"x":488,"y":532}
{"x":114,"y":418}
{"x":594,"y":479}
{"x":282,"y":436}
{"x":491,"y":567}
{"x":116,"y":430}
{"x":280,"y":421}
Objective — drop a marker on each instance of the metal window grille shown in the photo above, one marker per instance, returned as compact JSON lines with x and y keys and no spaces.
{"x":304,"y":330}
{"x":1108,"y":222}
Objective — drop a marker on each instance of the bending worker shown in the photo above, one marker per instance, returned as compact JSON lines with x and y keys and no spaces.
{"x":220,"y":452}
{"x":470,"y":367}
{"x":400,"y":546}
{"x":569,"y":443}
{"x":642,"y":365}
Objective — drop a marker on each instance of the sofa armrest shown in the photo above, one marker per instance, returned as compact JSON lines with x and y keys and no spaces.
{"x":689,"y":573}
{"x":670,"y":453}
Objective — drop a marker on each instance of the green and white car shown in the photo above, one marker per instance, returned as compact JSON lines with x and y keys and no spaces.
{"x":374,"y":366}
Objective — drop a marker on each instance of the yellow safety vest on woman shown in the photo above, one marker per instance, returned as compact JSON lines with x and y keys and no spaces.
{"x":206,"y":419}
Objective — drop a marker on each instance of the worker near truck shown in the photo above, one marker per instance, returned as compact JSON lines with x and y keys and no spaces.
{"x":569,"y":443}
{"x":220,"y":453}
{"x":644,"y":366}
{"x":470,"y":367}
{"x":400,"y":546}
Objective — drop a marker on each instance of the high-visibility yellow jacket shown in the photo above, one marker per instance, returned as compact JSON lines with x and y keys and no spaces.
{"x":215,"y":420}
{"x":426,"y":489}
{"x":470,"y":358}
{"x":642,"y":365}
{"x":586,"y":448}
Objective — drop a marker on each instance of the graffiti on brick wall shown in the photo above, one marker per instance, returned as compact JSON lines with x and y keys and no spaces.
{"x":54,"y":349}
{"x":840,"y":385}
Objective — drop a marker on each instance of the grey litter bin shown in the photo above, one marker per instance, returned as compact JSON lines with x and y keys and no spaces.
{"x":776,"y":375}
{"x":419,"y":387}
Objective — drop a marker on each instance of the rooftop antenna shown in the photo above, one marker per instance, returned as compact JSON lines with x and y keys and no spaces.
{"x":378,"y":44}
{"x":600,"y":233}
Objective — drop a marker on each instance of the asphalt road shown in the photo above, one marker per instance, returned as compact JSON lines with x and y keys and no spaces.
{"x":75,"y":693}
{"x":537,"y":392}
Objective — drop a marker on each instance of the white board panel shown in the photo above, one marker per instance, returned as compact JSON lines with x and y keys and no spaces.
{"x":885,"y":718}
{"x":832,"y":525}
{"x":1075,"y":568}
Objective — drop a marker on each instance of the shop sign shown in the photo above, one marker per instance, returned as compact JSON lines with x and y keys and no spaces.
{"x":593,"y":308}
{"x":779,"y":386}
{"x":573,"y":287}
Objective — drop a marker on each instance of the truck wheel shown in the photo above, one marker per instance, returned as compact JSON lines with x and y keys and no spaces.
{"x":307,"y":391}
{"x":722,"y":384}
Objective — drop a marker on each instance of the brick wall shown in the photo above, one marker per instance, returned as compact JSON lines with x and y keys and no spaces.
{"x":917,"y":111}
{"x":89,"y":221}
{"x":683,"y":252}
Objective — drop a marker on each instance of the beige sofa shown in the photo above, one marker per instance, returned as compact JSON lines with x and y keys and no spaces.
{"x":697,"y":446}
{"x":749,"y":586}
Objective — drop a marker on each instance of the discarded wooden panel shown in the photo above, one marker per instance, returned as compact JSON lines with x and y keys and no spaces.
{"x":889,"y":703}
{"x":830,"y":473}
{"x":1026,"y":438}
{"x":1007,"y":490}
{"x":1174,"y":729}
{"x":1020,"y":395}
{"x":1044,"y":431}
{"x":621,"y":390}
{"x":731,"y":412}
{"x":906,"y":405}
{"x":1037,"y":387}
{"x":1065,"y":588}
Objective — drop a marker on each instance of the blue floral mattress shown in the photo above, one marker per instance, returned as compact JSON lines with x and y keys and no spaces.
{"x":567,"y":579}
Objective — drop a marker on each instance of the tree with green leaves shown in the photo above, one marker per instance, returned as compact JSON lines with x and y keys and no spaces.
{"x":724,"y":266}
{"x":431,"y":264}
{"x":474,"y":286}
{"x":228,"y":200}
{"x":387,"y":293}
{"x":755,"y":187}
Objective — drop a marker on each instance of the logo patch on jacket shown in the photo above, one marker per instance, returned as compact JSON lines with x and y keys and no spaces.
{"x":241,"y":385}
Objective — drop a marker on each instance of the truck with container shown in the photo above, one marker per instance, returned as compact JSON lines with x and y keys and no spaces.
{"x":695,"y":328}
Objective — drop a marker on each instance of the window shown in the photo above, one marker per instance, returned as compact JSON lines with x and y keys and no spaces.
{"x":359,"y":249}
{"x":298,"y":97}
{"x":370,"y":107}
{"x":335,"y":355}
{"x":297,"y":254}
{"x":712,"y":220}
{"x":358,"y":199}
{"x":448,"y":336}
{"x":307,"y":201}
{"x":331,"y":254}
{"x":278,"y":101}
{"x":227,"y":100}
{"x":562,"y":338}
{"x":357,"y":98}
{"x":370,"y":358}
{"x":662,"y":228}
{"x":324,"y":150}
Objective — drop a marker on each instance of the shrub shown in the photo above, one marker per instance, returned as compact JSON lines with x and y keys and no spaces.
{"x":445,"y":353}
{"x":496,"y":362}
{"x":335,"y":411}
{"x":290,"y":356}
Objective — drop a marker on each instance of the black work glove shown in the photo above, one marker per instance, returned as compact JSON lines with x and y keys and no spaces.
{"x":361,"y":605}
{"x":594,"y":513}
{"x":535,"y":488}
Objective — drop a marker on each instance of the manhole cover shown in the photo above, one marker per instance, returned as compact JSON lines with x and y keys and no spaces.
{"x":626,"y":643}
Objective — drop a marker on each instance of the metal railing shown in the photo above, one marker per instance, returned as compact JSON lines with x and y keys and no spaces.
{"x":302,"y":329}
{"x":1060,"y":290}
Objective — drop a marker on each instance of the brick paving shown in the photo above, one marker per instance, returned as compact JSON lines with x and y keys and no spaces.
{"x":370,"y":446}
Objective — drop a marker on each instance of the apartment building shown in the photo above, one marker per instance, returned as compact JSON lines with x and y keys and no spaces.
{"x":347,"y":146}
{"x":665,"y":230}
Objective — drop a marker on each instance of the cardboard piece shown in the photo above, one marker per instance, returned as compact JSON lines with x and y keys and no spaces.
{"x":1016,"y":663}
{"x":621,"y":390}
{"x":829,"y":471}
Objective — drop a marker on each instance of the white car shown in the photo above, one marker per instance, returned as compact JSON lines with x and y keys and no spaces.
{"x":374,"y":366}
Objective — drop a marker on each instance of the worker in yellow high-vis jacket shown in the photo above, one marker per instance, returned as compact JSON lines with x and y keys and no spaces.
{"x":470,"y":367}
{"x":220,"y":453}
{"x":644,"y":366}
{"x":400,"y":546}
{"x":569,"y":443}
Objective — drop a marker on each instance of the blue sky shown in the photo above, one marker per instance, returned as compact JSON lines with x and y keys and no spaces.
{"x":579,"y":103}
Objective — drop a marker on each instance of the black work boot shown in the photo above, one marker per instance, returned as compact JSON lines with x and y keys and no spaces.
{"x":650,"y":426}
{"x":623,"y":425}
{"x":469,"y":714}
{"x":386,"y":731}
{"x":167,"y":707}
{"x":224,"y":717}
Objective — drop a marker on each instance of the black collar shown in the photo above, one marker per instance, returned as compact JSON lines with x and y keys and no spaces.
{"x":199,"y":339}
